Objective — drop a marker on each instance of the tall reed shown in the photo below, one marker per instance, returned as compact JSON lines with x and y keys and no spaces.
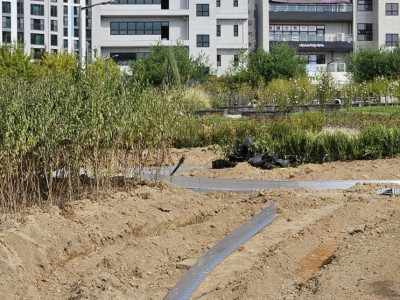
{"x":62,"y":131}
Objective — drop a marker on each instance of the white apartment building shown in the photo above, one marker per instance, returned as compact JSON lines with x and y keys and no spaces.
{"x":217,"y":29}
{"x":321,"y":32}
{"x":376,"y":23}
{"x":325,"y":32}
{"x":42,"y":24}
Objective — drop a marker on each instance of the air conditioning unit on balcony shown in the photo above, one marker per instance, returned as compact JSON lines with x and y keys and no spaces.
{"x":332,"y":67}
{"x":342,"y":67}
{"x":340,"y":37}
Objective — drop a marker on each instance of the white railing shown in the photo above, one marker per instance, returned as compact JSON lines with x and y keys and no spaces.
{"x":314,"y":8}
{"x":310,"y":37}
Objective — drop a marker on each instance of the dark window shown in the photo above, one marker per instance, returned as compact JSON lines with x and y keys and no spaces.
{"x":65,"y":31}
{"x":54,"y":41}
{"x":140,"y":28}
{"x":6,"y":7}
{"x":218,"y":3}
{"x":20,"y":8}
{"x":88,"y":33}
{"x":65,"y":44}
{"x":203,"y":40}
{"x":165,"y":31}
{"x":20,"y":37}
{"x":37,"y":53}
{"x":37,"y":39}
{"x":218,"y":30}
{"x":20,"y":23}
{"x":6,"y":22}
{"x":218,"y":60}
{"x":202,"y":10}
{"x":148,"y":28}
{"x":65,"y":10}
{"x":53,"y":25}
{"x":235,"y":30}
{"x":37,"y":24}
{"x":6,"y":37}
{"x":364,"y":32}
{"x":392,"y":9}
{"x":392,"y":39}
{"x":364,"y":5}
{"x":124,"y":58}
{"x":320,"y":59}
{"x":114,"y":28}
{"x":164,"y":4}
{"x":53,"y":11}
{"x":157,"y":28}
{"x":313,"y":58}
{"x":37,"y":10}
{"x":235,"y":3}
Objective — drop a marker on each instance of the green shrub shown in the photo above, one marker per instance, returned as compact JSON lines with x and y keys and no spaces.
{"x":194,"y":99}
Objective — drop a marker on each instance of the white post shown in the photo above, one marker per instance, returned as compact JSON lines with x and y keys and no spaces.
{"x":82,"y":31}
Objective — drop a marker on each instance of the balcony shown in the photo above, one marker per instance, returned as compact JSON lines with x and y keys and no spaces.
{"x":311,"y":12}
{"x":306,"y":42}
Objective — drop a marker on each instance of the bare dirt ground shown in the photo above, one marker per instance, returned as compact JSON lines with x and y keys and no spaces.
{"x":136,"y":244}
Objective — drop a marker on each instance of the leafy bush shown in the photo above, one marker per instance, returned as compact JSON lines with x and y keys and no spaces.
{"x":194,"y":99}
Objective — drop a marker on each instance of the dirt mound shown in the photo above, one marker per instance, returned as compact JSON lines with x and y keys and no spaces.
{"x":136,"y":244}
{"x":380,"y":169}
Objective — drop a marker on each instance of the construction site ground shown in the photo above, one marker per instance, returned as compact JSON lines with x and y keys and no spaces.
{"x":137,"y":243}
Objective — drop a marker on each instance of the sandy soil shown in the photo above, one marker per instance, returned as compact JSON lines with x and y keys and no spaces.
{"x":136,"y":244}
{"x":349,"y":170}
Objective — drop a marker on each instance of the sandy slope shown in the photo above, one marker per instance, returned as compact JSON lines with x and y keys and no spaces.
{"x":131,"y":244}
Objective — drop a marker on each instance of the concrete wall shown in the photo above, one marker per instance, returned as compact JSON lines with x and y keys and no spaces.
{"x":387,"y":24}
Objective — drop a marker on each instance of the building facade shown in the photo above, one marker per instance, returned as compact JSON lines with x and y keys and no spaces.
{"x":325,"y":32}
{"x":322,"y":33}
{"x":216,"y":29}
{"x":377,"y":23}
{"x":40,"y":25}
{"x":126,"y":29}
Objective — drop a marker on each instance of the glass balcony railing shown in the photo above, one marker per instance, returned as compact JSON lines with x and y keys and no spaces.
{"x":314,"y":8}
{"x":307,"y":37}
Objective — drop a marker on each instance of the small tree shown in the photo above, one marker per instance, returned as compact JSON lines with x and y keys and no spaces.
{"x":278,"y":93}
{"x":150,"y":68}
{"x":365,"y":64}
{"x":380,"y":87}
{"x":363,"y":90}
{"x":170,"y":70}
{"x":280,"y":62}
{"x":302,"y":91}
{"x":348,"y":93}
{"x":325,"y":89}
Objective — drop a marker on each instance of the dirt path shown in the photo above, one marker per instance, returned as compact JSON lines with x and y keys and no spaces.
{"x":136,"y":244}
